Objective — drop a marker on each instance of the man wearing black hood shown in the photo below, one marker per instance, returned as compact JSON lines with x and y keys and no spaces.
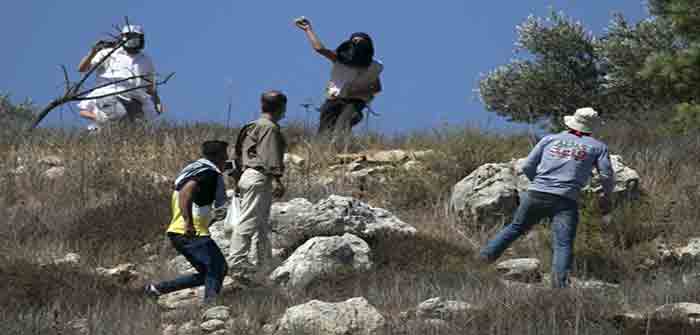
{"x":354,"y":80}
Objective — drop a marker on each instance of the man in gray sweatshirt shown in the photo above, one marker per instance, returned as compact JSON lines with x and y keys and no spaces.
{"x":558,"y":167}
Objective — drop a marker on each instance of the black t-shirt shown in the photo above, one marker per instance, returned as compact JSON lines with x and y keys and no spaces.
{"x":207,"y":181}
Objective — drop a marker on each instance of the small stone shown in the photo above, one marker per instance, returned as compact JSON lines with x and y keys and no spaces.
{"x":51,"y":161}
{"x":690,"y":252}
{"x":19,"y":170}
{"x":423,"y":154}
{"x":68,"y":259}
{"x":149,"y":248}
{"x":180,"y":299}
{"x":189,"y":328}
{"x":592,"y":284}
{"x":54,"y":173}
{"x":294,"y":159}
{"x":525,"y":270}
{"x":213,"y":325}
{"x":81,"y":326}
{"x":122,"y":273}
{"x":387,"y":156}
{"x":169,"y":329}
{"x":414,"y":166}
{"x":442,"y":309}
{"x":217,"y":313}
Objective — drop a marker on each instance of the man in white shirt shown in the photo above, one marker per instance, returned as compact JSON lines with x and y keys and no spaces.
{"x":127,"y":62}
{"x":354,"y":80}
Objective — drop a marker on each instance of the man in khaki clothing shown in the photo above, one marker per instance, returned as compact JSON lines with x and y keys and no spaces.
{"x":259,"y":153}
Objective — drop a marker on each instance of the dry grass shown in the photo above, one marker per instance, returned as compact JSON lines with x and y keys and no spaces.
{"x":108,"y":206}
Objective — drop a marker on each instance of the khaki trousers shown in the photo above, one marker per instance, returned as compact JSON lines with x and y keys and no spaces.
{"x":250,"y":239}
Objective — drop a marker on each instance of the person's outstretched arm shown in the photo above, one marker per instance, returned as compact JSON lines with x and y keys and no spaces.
{"x":316,"y":43}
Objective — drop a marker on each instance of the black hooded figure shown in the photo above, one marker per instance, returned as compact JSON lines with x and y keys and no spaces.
{"x":355,"y":81}
{"x":356,"y":53}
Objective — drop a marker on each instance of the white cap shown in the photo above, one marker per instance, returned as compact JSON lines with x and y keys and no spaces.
{"x":132,"y":28}
{"x":584,"y":120}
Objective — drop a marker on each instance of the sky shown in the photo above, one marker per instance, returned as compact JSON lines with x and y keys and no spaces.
{"x":224,"y":52}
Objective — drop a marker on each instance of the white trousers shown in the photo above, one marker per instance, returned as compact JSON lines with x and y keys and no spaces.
{"x":250,"y":239}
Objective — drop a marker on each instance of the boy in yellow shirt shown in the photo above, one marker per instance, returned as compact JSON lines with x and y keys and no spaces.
{"x":198,"y":187}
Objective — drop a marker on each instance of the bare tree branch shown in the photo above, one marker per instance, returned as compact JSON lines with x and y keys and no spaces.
{"x":162,"y":82}
{"x":88,"y":91}
{"x":66,"y":78}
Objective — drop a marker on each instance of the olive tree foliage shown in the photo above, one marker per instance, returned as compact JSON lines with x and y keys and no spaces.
{"x":676,"y":72}
{"x":623,"y":53}
{"x":561,"y":66}
{"x":555,"y":74}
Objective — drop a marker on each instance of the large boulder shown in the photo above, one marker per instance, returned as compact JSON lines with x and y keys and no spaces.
{"x":489,"y":195}
{"x":298,"y":220}
{"x":323,"y":258}
{"x":351,"y":317}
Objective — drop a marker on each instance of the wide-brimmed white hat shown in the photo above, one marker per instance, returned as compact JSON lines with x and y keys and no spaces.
{"x":132,"y":28}
{"x":584,"y":120}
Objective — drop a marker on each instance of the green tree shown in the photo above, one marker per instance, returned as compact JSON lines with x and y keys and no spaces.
{"x":556,"y":74}
{"x":675,"y":72}
{"x":563,"y":67}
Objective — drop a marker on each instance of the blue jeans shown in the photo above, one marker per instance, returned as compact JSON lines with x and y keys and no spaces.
{"x":206,"y":257}
{"x":535,"y":206}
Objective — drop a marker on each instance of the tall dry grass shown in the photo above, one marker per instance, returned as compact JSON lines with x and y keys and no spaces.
{"x":114,"y":199}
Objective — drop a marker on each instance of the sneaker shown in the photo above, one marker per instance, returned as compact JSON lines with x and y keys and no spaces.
{"x":151,"y":291}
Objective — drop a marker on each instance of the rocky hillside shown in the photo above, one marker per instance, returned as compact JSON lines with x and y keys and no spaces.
{"x":376,"y":238}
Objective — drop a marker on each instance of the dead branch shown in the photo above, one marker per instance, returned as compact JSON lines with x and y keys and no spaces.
{"x":73,"y":92}
{"x":158,"y":83}
{"x":66,"y":79}
{"x":88,"y":91}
